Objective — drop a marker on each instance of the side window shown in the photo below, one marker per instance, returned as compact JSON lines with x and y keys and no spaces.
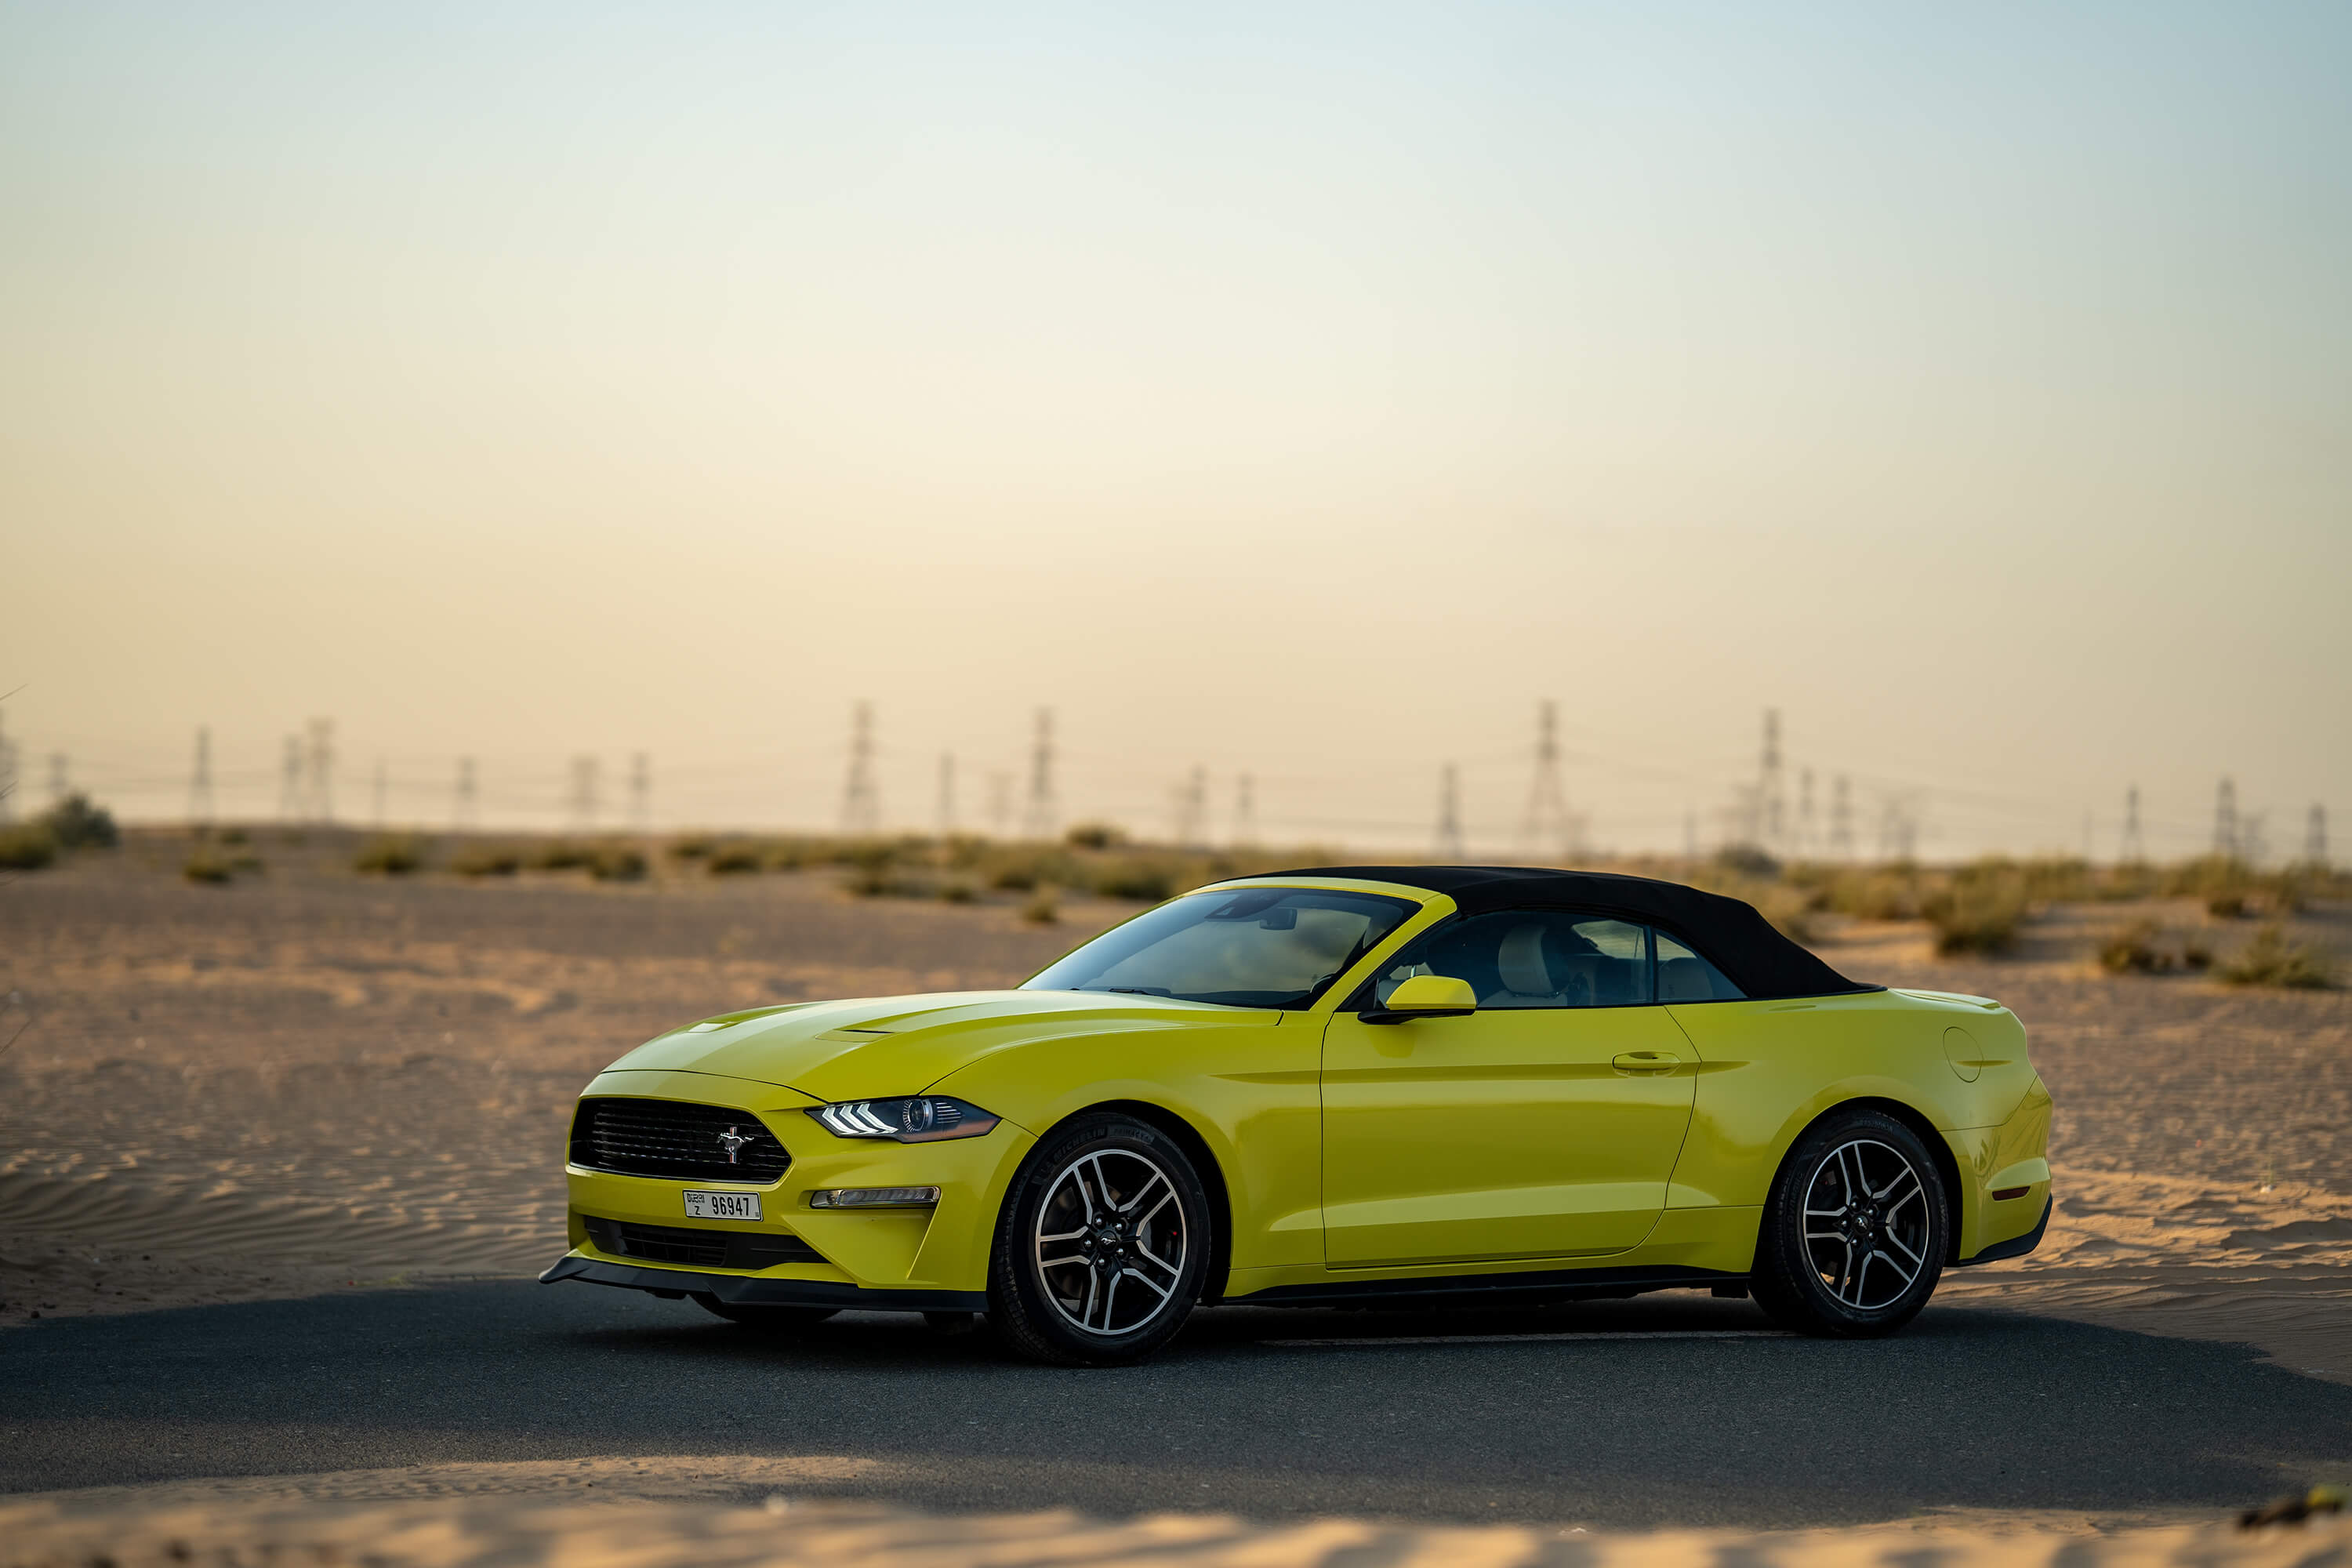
{"x":1532,"y":958}
{"x":1685,"y":977}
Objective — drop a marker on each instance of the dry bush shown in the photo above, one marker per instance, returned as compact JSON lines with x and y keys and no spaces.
{"x":612,"y":862}
{"x":692,"y":847}
{"x":487,"y":860}
{"x":1041,"y":910}
{"x":958,"y":890}
{"x":390,"y":855}
{"x":27,"y":846}
{"x":2272,"y":960}
{"x":734,"y":858}
{"x":560,"y":855}
{"x":208,"y":868}
{"x":1095,"y":836}
{"x":2140,"y":948}
{"x":1981,"y":909}
{"x":76,"y":824}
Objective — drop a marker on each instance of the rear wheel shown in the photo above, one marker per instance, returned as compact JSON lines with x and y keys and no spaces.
{"x":772,"y":1319}
{"x":1101,"y":1245}
{"x":1855,"y":1230}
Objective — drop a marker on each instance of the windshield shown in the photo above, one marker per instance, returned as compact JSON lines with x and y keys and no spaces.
{"x":1261,"y":947}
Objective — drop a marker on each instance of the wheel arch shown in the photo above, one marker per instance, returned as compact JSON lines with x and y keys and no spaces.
{"x":1947,"y":1165}
{"x":1189,"y":1138}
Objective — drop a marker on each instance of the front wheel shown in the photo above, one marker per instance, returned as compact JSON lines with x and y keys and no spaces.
{"x":1855,"y":1230}
{"x":1101,"y":1245}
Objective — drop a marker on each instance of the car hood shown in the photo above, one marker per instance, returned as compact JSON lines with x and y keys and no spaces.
{"x":903,"y":1045}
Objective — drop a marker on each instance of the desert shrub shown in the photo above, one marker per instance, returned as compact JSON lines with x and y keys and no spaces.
{"x":1745,"y":862}
{"x":2272,"y":960}
{"x":208,"y":868}
{"x":1041,"y":909}
{"x":617,"y":863}
{"x":27,"y":846}
{"x":1885,"y":894}
{"x":2140,"y":948}
{"x":235,"y":835}
{"x":1144,"y":881}
{"x":487,"y":860}
{"x":2226,"y":904}
{"x":1979,"y":911}
{"x":958,"y":890}
{"x":732,"y":859}
{"x":1095,"y":836}
{"x":785,"y":854}
{"x":692,"y":847}
{"x":76,"y":824}
{"x":560,"y":855}
{"x":390,"y":854}
{"x":1021,"y":869}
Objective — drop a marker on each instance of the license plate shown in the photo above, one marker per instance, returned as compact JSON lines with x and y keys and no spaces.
{"x":722,"y":1206}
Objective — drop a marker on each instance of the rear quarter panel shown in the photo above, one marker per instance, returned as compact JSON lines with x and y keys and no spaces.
{"x":1769,"y":1069}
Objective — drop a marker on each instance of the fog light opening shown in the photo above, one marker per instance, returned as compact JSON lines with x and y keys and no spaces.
{"x":874,"y":1198}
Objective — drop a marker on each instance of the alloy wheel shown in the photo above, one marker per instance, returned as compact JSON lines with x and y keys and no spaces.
{"x":1110,"y":1241}
{"x":1868,"y":1227}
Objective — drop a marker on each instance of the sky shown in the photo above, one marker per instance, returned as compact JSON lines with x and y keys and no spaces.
{"x":1300,"y":391}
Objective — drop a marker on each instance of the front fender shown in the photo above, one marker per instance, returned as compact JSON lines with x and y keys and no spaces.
{"x":1249,"y":1088}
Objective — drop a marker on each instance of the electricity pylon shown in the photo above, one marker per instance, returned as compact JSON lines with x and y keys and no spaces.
{"x":2227,"y":841}
{"x":2130,"y":849}
{"x":1043,"y":817}
{"x":1548,"y":829}
{"x":1191,"y":798}
{"x":200,"y":782}
{"x":1770,"y":822}
{"x":465,"y":812}
{"x":584,"y":793}
{"x":1449,"y":815}
{"x":1244,"y":813}
{"x":2314,"y":837}
{"x":861,"y":802}
{"x":641,"y":792}
{"x":1842,"y":817}
{"x":290,"y":780}
{"x":320,"y":768}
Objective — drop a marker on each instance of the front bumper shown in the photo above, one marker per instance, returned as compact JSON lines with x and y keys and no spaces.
{"x":915,"y":1258}
{"x":759,"y":1290}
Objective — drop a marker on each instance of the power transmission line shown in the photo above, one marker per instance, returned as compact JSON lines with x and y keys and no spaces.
{"x":465,"y":811}
{"x":1244,"y":813}
{"x":1770,"y":824}
{"x":2130,"y":850}
{"x":641,"y":792}
{"x":2314,"y":837}
{"x":861,"y":803}
{"x":2227,"y":841}
{"x":1191,"y":802}
{"x":1842,"y":817}
{"x":290,"y":780}
{"x":7,"y":779}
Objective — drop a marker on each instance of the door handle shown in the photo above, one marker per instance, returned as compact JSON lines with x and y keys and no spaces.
{"x":1645,"y":1061}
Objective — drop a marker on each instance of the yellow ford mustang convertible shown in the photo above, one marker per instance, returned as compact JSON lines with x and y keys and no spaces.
{"x":1338,"y":1087}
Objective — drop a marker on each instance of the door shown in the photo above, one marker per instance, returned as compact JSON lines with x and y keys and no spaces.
{"x":1543,"y":1125}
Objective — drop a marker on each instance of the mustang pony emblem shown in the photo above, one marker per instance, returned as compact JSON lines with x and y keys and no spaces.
{"x":733,"y":1143}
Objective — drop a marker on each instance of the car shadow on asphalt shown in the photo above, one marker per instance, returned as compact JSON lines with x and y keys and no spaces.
{"x":1667,"y":1410}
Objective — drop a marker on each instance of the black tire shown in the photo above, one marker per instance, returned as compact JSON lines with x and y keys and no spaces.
{"x":1068,"y":1292}
{"x":1880,"y":1226}
{"x":769,"y":1319}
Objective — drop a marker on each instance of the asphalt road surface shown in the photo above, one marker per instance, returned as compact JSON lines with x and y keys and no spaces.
{"x":1664,"y":1411}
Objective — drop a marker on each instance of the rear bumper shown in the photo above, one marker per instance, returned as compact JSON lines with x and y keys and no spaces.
{"x":2017,"y":1246}
{"x":752,"y":1290}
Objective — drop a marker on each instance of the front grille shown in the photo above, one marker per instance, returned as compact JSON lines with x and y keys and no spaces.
{"x":671,"y":1137}
{"x":702,"y":1248}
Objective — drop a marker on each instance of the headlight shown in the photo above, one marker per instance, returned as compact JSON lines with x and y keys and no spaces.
{"x":874,"y":1198}
{"x":922,"y":1119}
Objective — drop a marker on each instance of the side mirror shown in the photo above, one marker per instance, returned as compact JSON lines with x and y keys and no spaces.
{"x":1424,"y":996}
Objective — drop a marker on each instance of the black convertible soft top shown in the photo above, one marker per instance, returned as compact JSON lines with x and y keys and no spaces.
{"x":1741,"y":942}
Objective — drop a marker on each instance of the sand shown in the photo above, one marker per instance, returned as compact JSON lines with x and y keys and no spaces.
{"x":717,"y":1512}
{"x":313,"y":1081}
